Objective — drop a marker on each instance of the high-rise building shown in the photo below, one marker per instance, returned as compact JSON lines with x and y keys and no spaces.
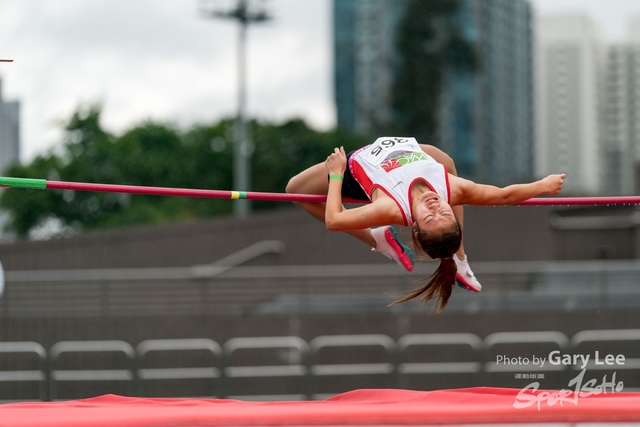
{"x":364,"y":52}
{"x":485,"y":115}
{"x":617,"y":144}
{"x":621,"y":136}
{"x":344,"y":75}
{"x":504,"y":109}
{"x":9,"y":132}
{"x":569,"y":98}
{"x":634,"y":102}
{"x":459,"y":128}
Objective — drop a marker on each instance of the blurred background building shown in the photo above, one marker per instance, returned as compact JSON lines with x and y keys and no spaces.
{"x":364,"y":34}
{"x":622,"y":114}
{"x":9,"y":131}
{"x":570,"y":88}
{"x":485,"y":115}
{"x":487,"y":123}
{"x":618,"y":158}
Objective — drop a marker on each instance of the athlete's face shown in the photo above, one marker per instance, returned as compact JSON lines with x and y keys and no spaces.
{"x":433,"y":213}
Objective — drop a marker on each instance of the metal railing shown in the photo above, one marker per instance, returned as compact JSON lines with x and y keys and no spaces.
{"x":124,"y":374}
{"x":302,"y":361}
{"x":383,"y":369}
{"x":296,"y":351}
{"x":559,"y":339}
{"x":427,"y":340}
{"x":212,"y":372}
{"x":32,"y":375}
{"x":630,"y":336}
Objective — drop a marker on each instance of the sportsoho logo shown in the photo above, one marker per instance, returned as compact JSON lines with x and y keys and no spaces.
{"x":529,"y":395}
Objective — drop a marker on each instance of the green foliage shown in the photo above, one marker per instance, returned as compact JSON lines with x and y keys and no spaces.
{"x":283,"y":151}
{"x":429,"y":45}
{"x":154,"y":154}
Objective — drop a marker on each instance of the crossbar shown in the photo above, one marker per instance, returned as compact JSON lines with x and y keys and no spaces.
{"x":42,"y":184}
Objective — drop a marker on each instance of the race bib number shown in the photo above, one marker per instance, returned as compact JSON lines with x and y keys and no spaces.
{"x":380,"y":150}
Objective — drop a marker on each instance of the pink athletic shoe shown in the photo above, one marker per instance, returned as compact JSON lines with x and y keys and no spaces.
{"x":388,"y":244}
{"x":465,"y":277}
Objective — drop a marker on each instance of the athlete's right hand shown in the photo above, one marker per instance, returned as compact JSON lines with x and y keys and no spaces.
{"x":336,"y":163}
{"x":553,"y":183}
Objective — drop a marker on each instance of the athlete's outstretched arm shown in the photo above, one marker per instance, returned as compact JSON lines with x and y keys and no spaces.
{"x":465,"y":192}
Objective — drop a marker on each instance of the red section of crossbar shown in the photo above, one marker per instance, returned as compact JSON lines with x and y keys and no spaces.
{"x":617,"y":200}
{"x":186,"y":192}
{"x":361,"y":407}
{"x":288,"y":197}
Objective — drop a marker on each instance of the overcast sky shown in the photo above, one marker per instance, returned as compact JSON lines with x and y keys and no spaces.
{"x":158,"y":59}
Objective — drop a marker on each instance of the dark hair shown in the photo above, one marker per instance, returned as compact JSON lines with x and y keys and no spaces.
{"x":437,"y":245}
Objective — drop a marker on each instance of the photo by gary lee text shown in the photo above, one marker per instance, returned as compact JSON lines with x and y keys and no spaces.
{"x":556,"y":358}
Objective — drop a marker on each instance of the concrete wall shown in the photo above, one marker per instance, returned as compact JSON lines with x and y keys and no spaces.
{"x":491,"y":234}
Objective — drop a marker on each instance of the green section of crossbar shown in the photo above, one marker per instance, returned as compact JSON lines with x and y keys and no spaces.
{"x":39,"y":184}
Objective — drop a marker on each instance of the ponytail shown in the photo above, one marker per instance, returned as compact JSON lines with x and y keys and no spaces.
{"x":440,"y":286}
{"x":437,"y":245}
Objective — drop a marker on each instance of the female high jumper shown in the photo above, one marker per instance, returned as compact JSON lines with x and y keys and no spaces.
{"x":408,"y":184}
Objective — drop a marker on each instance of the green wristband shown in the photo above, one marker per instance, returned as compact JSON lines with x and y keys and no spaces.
{"x":336,"y":177}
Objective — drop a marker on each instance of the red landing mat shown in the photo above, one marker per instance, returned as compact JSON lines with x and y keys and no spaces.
{"x":360,"y":407}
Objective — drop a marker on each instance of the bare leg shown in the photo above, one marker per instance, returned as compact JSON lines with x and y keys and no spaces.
{"x":443,"y":158}
{"x":314,"y":181}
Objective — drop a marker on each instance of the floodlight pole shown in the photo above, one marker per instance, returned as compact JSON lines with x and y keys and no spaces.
{"x":242,"y":146}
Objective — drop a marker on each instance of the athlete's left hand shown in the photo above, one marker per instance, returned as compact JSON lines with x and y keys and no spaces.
{"x":553,"y":183}
{"x":336,"y":163}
